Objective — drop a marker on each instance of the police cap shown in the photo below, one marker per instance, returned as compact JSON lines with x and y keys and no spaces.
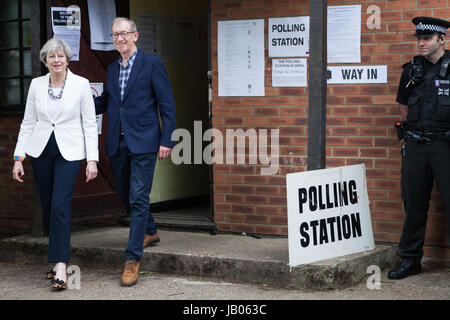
{"x":428,"y":25}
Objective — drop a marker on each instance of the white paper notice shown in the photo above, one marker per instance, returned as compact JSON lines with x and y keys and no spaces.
{"x":288,"y":37}
{"x":241,"y":57}
{"x":66,"y":25}
{"x":289,"y":73}
{"x":101,"y":16}
{"x":97,"y":89}
{"x":344,"y":34}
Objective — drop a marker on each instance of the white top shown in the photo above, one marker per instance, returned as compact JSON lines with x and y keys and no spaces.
{"x":53,"y":105}
{"x":74,"y":125}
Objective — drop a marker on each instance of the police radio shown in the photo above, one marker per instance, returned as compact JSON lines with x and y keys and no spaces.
{"x":444,"y":66}
{"x":416,"y":73}
{"x":400,"y":127}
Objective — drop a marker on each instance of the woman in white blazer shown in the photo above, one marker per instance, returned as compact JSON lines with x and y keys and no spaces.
{"x":59,"y":129}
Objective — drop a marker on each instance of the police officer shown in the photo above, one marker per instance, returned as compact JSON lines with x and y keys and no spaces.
{"x":424,"y":100}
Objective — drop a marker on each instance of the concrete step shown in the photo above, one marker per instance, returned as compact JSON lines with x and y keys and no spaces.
{"x":226,"y":257}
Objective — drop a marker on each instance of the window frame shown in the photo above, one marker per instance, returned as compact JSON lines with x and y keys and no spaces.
{"x":19,"y":108}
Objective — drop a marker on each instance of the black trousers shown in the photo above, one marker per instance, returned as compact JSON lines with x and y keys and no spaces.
{"x":422,"y":165}
{"x":56,"y":178}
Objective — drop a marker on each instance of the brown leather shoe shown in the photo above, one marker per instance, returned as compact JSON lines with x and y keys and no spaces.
{"x":130,"y":274}
{"x":151,"y":240}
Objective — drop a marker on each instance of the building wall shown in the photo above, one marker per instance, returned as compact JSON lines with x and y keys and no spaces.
{"x":359,"y":127}
{"x":15,"y":198}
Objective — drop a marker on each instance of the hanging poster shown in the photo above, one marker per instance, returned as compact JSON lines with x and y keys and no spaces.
{"x":101,"y":15}
{"x":66,"y":25}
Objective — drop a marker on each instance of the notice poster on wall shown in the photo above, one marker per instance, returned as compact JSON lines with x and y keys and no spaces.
{"x":66,"y":25}
{"x":289,"y":73}
{"x":328,"y":214}
{"x":344,"y":34}
{"x":289,"y":37}
{"x":241,"y":57}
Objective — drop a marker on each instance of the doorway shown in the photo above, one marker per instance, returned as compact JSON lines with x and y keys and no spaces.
{"x":177,"y":32}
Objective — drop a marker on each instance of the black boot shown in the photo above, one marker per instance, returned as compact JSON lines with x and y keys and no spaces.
{"x":405,"y":268}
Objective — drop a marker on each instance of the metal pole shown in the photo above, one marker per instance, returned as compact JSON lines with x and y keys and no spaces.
{"x":317,"y":84}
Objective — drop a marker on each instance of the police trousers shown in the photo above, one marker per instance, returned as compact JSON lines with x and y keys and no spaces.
{"x":423,"y":164}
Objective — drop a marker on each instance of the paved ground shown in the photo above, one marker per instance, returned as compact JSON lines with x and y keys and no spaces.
{"x":27,"y":282}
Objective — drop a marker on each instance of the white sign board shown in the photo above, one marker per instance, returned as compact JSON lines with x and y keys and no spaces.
{"x":289,"y":73}
{"x":289,"y":37}
{"x":97,"y":89}
{"x":241,"y":57}
{"x":328,"y":214}
{"x":356,"y":74}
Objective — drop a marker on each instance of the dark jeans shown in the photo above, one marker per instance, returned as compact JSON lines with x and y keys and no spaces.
{"x":56,"y":179}
{"x":423,"y":164}
{"x":133,"y":174}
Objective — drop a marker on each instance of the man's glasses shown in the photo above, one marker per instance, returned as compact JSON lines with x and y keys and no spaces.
{"x":124,"y":34}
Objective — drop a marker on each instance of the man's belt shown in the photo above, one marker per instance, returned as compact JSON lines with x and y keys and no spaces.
{"x":427,"y":137}
{"x":438,"y":136}
{"x":405,"y":132}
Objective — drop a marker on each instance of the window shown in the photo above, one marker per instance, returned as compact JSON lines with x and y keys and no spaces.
{"x":15,"y":54}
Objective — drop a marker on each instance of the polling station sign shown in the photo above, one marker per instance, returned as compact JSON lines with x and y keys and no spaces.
{"x":288,"y":37}
{"x":328,"y":214}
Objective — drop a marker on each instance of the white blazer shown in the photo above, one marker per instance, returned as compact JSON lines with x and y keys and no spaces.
{"x":75,"y":125}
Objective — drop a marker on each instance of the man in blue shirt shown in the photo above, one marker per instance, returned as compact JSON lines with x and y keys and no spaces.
{"x":137,"y":93}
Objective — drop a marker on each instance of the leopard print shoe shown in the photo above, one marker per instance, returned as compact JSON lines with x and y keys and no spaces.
{"x":51,"y":274}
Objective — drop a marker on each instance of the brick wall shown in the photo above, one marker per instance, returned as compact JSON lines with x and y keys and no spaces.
{"x":359,"y":128}
{"x":15,"y":198}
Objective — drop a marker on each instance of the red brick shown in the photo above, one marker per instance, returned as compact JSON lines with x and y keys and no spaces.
{"x":292,"y":91}
{"x":376,"y":173}
{"x":358,"y":100}
{"x":345,"y":152}
{"x":339,"y":90}
{"x":344,"y":131}
{"x":431,"y":3}
{"x":372,"y":131}
{"x":253,"y":218}
{"x":373,"y":152}
{"x":359,"y":141}
{"x":401,"y":4}
{"x":241,"y":208}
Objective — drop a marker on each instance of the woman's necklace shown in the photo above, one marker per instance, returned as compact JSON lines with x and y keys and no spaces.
{"x":50,"y":91}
